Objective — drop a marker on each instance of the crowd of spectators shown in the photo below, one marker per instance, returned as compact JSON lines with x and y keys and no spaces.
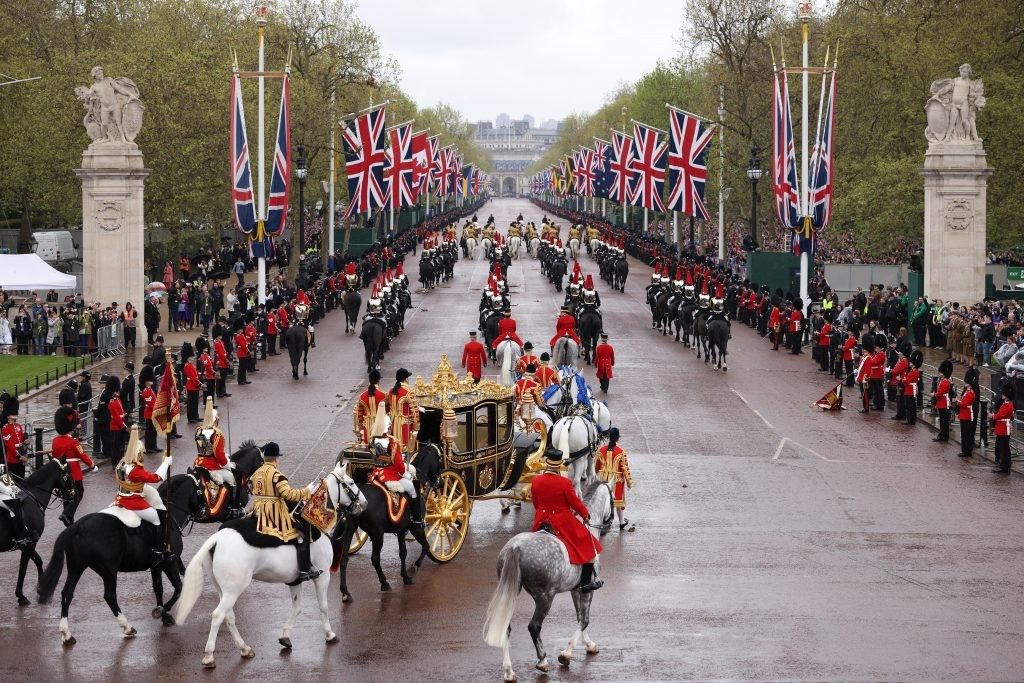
{"x":44,"y":326}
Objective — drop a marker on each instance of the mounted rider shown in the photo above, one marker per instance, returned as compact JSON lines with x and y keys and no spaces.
{"x":557,"y":506}
{"x":302,"y":311}
{"x":271,"y":494}
{"x":390,"y":469}
{"x":135,"y":493}
{"x":527,"y":384}
{"x":10,"y":494}
{"x":506,"y":330}
{"x":565,"y":326}
{"x":405,"y":413}
{"x":590,"y":300}
{"x":211,"y":456}
{"x":351,"y":277}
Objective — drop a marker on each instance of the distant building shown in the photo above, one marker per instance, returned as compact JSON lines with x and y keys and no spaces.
{"x":551,"y":124}
{"x":514,"y":145}
{"x":501,"y":121}
{"x":529,"y":120}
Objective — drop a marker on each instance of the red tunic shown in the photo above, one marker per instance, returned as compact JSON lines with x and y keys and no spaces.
{"x":604,"y":359}
{"x":222,"y":354}
{"x":192,"y":382}
{"x":67,"y":448}
{"x":13,"y":436}
{"x":527,"y":385}
{"x":525,"y":360}
{"x":555,"y":500}
{"x":207,"y":363}
{"x":966,"y":406}
{"x":366,"y":411}
{"x":795,"y":319}
{"x":825,"y":335}
{"x":1003,"y":419}
{"x":241,"y":345}
{"x":219,"y":460}
{"x":546,"y":376}
{"x":148,"y":397}
{"x":396,"y":469}
{"x":405,"y":417}
{"x":284,"y":317}
{"x":910,"y":382}
{"x":773,"y":319}
{"x":565,"y":327}
{"x":474,"y":358}
{"x":898,"y":370}
{"x":848,"y":346}
{"x":506,"y":330}
{"x":942,"y":395}
{"x":131,"y":500}
{"x":116,"y":411}
{"x":271,"y":324}
{"x":877,"y":365}
{"x":614,"y":468}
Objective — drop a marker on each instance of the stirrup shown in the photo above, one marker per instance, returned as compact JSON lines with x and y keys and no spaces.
{"x":592,"y":586}
{"x":308,"y":576}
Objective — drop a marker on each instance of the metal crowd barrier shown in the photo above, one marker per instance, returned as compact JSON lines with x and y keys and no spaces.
{"x":110,"y":340}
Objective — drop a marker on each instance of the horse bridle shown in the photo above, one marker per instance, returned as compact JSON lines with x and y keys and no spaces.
{"x":351,"y":490}
{"x":58,"y":493}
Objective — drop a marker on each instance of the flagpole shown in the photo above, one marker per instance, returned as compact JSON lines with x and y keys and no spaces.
{"x":721,"y":172}
{"x":805,"y":20}
{"x":331,"y":172}
{"x":261,"y":262}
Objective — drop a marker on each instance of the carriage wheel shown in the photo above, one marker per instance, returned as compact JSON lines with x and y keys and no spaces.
{"x":357,"y":542}
{"x":447,"y":518}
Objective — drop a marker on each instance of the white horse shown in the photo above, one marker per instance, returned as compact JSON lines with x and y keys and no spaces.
{"x":537,"y":563}
{"x":509,"y":352}
{"x":574,"y":247}
{"x":574,"y":434}
{"x":568,"y":252}
{"x":470,"y":247}
{"x":236,"y":563}
{"x":514,"y":244}
{"x":486,"y":246}
{"x":534,"y":247}
{"x":566,"y":352}
{"x":594,"y":244}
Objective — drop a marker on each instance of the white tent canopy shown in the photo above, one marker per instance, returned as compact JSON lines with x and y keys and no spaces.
{"x":28,"y":271}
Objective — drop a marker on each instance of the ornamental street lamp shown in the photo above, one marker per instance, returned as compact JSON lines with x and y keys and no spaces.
{"x":301,"y":172}
{"x":754,"y":173}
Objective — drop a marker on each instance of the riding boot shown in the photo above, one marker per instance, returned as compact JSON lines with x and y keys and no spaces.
{"x":306,"y":570}
{"x":22,"y":536}
{"x":416,"y":512}
{"x":156,"y":540}
{"x":588,"y":580}
{"x":236,"y":509}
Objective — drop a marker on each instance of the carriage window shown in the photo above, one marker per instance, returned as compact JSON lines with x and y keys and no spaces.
{"x":504,"y":422}
{"x":485,"y":427}
{"x":462,"y":442}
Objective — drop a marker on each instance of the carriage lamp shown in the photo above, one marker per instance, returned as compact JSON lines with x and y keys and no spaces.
{"x":449,"y":426}
{"x":754,"y":174}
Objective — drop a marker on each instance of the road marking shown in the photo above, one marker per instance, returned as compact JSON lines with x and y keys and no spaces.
{"x":778,"y":451}
{"x":810,"y":450}
{"x":752,"y":408}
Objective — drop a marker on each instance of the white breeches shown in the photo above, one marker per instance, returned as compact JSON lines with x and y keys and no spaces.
{"x":224,"y":477}
{"x":404,"y":485}
{"x":153,"y":498}
{"x":148,"y":515}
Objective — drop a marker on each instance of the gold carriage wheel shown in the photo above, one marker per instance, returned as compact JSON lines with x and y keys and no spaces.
{"x":447,"y":517}
{"x":357,"y":542}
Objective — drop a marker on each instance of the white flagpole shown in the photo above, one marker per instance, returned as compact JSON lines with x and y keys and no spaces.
{"x":261,"y":262}
{"x":721,"y":172}
{"x":805,"y":19}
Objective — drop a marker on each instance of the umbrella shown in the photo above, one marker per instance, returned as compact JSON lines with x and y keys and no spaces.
{"x":156,"y":294}
{"x":156,"y":287}
{"x":220,"y":275}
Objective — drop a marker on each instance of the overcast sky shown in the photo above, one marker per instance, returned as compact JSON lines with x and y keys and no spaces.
{"x":546,"y":58}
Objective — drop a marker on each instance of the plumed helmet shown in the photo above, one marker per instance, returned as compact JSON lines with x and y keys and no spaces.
{"x":134,"y":454}
{"x":65,"y":420}
{"x":301,"y":312}
{"x":717,"y":305}
{"x":917,"y":358}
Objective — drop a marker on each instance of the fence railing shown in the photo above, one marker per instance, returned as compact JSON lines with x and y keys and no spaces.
{"x":109,"y":343}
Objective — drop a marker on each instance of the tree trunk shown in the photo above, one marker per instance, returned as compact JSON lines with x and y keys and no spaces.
{"x":25,"y":231}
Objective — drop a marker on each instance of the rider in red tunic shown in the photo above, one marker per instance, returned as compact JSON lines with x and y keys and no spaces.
{"x":389,"y":466}
{"x":545,"y":375}
{"x":506,"y":330}
{"x":557,"y":505}
{"x":565,"y":326}
{"x":135,"y":493}
{"x":474,"y":357}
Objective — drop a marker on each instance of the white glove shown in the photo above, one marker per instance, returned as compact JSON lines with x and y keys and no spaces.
{"x":95,"y":468}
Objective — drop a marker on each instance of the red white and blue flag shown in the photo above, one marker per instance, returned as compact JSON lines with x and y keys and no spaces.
{"x":784,"y":179}
{"x":586,"y":172}
{"x":822,"y":176}
{"x":421,"y":154}
{"x":687,"y":163}
{"x":280,"y":179}
{"x":400,"y":169}
{"x":621,"y":167}
{"x":445,"y":171}
{"x":603,"y":177}
{"x":365,"y":158}
{"x":242,"y":201}
{"x":648,"y":166}
{"x":435,"y":162}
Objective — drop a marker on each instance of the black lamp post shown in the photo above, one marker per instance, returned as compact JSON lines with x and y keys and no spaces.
{"x":301,"y":173}
{"x":754,"y":173}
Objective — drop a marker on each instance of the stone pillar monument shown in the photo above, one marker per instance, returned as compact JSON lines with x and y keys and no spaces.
{"x":112,"y":177}
{"x":955,"y":179}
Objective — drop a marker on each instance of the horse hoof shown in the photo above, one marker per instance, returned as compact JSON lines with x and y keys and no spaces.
{"x":346,"y":597}
{"x":510,"y":677}
{"x":331,"y":638}
{"x":543,"y":665}
{"x":23,"y":601}
{"x":248,"y":653}
{"x":70,"y":641}
{"x":412,"y":570}
{"x":408,"y":581}
{"x":564,"y":658}
{"x":209,"y":663}
{"x":131,"y":633}
{"x":385,"y":587}
{"x":168,"y":619}
{"x":286,"y":643}
{"x":157,"y":612}
{"x":725,"y":369}
{"x":593,"y":649}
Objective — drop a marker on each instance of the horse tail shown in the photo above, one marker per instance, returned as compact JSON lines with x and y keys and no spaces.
{"x":506,"y":362}
{"x":55,"y":567}
{"x":563,"y":439}
{"x":192,"y":586}
{"x":503,"y":601}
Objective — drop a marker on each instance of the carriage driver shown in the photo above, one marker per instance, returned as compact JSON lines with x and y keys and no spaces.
{"x":557,"y":504}
{"x":390,"y":468}
{"x":135,"y":493}
{"x":271,"y":495}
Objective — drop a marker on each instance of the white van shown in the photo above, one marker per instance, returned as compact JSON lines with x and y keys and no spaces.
{"x":55,"y":245}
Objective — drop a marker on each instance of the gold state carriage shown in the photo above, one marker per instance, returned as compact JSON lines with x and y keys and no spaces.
{"x":486,"y":451}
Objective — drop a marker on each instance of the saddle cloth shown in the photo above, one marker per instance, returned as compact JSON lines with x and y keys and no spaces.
{"x":396,"y":501}
{"x":126,"y":517}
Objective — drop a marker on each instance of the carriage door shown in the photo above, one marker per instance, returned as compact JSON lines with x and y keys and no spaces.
{"x":485,"y":427}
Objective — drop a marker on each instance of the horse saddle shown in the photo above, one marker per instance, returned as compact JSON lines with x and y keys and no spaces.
{"x":397,"y":502}
{"x":246,"y":528}
{"x":124,"y":515}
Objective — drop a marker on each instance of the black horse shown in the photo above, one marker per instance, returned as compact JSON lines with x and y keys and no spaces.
{"x":102,"y":543}
{"x":718,"y":343}
{"x":700,"y":332}
{"x":52,"y":479}
{"x":373,"y":335}
{"x":351,"y":302}
{"x":589,"y":327}
{"x":491,"y":332}
{"x":296,"y":340}
{"x":179,"y":490}
{"x":556,"y":272}
{"x":376,"y":522}
{"x":620,"y":271}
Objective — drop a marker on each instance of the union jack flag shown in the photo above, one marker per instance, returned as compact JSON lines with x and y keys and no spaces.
{"x":687,"y":163}
{"x":460,"y":177}
{"x":365,"y":157}
{"x":241,"y":171}
{"x":421,"y":153}
{"x":477,"y":182}
{"x":648,"y":166}
{"x":444,"y":172}
{"x":621,"y":167}
{"x":603,"y":177}
{"x":435,"y":162}
{"x":822,"y":176}
{"x":585,"y":172}
{"x":280,"y":180}
{"x":400,"y":170}
{"x":784,"y":180}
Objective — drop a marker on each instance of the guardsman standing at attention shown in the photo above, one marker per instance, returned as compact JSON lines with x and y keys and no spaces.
{"x":896,"y":377}
{"x":796,"y":326}
{"x":242,"y":352}
{"x":405,"y":414}
{"x":910,"y":382}
{"x":272,"y":333}
{"x":545,"y":375}
{"x":1003,"y":421}
{"x":877,"y":376}
{"x":612,"y":466}
{"x":474,"y":357}
{"x":527,"y":358}
{"x":208,"y":374}
{"x":940,"y":399}
{"x":220,"y":351}
{"x":824,"y":341}
{"x":864,"y":371}
{"x":604,"y":360}
{"x":775,"y":324}
{"x":966,"y":413}
{"x":370,"y":402}
{"x":849,"y":344}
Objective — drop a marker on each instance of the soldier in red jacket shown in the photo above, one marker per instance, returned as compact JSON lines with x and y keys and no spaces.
{"x":965,"y":412}
{"x":565,"y":326}
{"x":796,"y":327}
{"x":876,"y":375}
{"x":223,"y":363}
{"x":147,"y":399}
{"x":557,"y":506}
{"x":118,"y":428}
{"x":604,"y":360}
{"x":135,"y":493}
{"x":940,"y":399}
{"x":775,"y":324}
{"x":910,"y":388}
{"x":12,"y":434}
{"x":272,"y":333}
{"x":506,"y":330}
{"x":389,"y":466}
{"x":1003,"y":425}
{"x":474,"y":357}
{"x":242,"y":351}
{"x":371,"y":402}
{"x":68,"y":449}
{"x":192,"y":387}
{"x":848,"y":346}
{"x":896,"y":377}
{"x":208,"y":373}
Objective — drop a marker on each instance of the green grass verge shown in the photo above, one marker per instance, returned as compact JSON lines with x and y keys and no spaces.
{"x":16,"y":370}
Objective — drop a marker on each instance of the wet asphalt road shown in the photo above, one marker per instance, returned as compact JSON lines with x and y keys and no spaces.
{"x":773,"y":541}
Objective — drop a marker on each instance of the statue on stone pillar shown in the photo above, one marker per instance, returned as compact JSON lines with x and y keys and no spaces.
{"x":113,"y":112}
{"x":953,"y":107}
